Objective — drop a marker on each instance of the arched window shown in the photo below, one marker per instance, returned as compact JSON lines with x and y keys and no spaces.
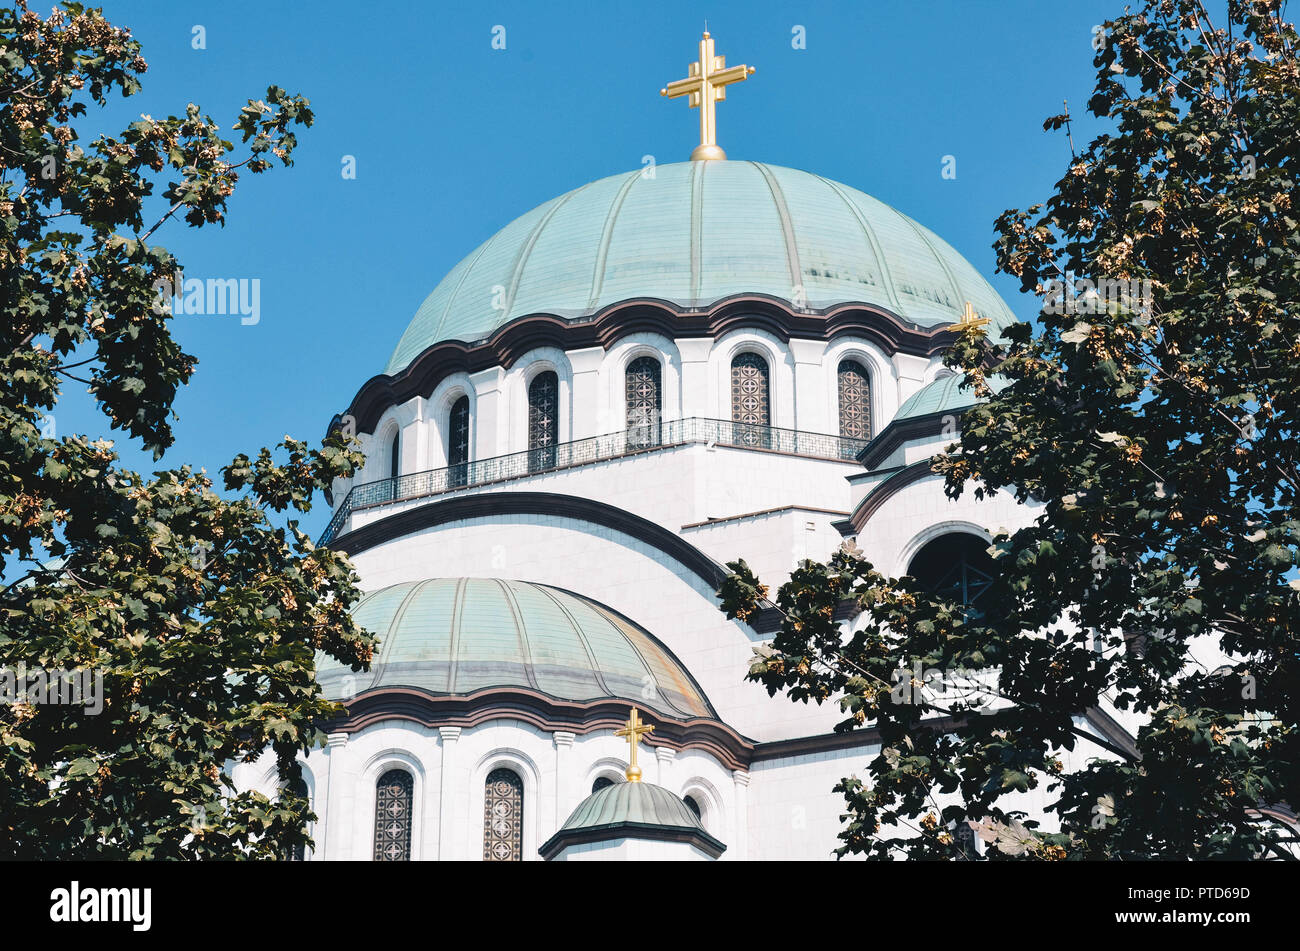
{"x":644,"y":402}
{"x":393,"y":804}
{"x":956,"y":566}
{"x":394,"y":466}
{"x":751,"y":410}
{"x":298,"y":787}
{"x":543,"y":420}
{"x":694,"y":806}
{"x":964,"y":839}
{"x":855,"y":400}
{"x":600,"y":783}
{"x":503,"y":817}
{"x":458,"y":443}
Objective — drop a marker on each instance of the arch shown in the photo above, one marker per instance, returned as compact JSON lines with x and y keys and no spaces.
{"x":606,"y":770}
{"x":882,"y":376}
{"x":751,"y":398}
{"x":705,"y":796}
{"x":394,"y":456}
{"x":486,"y":505}
{"x":760,"y":314}
{"x":367,"y":802}
{"x":643,"y":400}
{"x":525,"y":770}
{"x":613,"y":375}
{"x":955,"y":564}
{"x":543,"y":420}
{"x":445,"y":395}
{"x":931,"y":532}
{"x":394,"y":816}
{"x":853,"y":388}
{"x":516,"y":386}
{"x":299,"y":788}
{"x":379,"y":458}
{"x":503,"y":816}
{"x":601,"y":782}
{"x":458,"y":442}
{"x":780,"y":361}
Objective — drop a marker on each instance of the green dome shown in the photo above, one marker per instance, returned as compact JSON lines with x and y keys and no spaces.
{"x":695,"y":233}
{"x":943,"y":395}
{"x":457,"y":636}
{"x":633,"y":810}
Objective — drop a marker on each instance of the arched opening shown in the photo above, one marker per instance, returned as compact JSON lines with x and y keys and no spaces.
{"x":601,"y":783}
{"x":394,"y":800}
{"x":394,"y":465}
{"x":855,"y":400}
{"x":543,"y":420}
{"x":298,"y":787}
{"x":458,"y":443}
{"x":956,"y":566}
{"x":694,"y":806}
{"x":751,"y":401}
{"x":503,"y":816}
{"x":644,"y":398}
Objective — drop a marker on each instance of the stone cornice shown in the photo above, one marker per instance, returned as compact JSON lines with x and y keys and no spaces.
{"x":881,"y":494}
{"x":511,"y":341}
{"x":734,"y":751}
{"x":547,"y":713}
{"x":902,"y":431}
{"x":631,"y":830}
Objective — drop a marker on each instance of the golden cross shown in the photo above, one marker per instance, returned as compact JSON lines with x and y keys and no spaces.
{"x":968,"y":319}
{"x":634,"y":729}
{"x":706,"y":84}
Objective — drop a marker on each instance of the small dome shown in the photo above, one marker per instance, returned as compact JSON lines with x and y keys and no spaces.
{"x":946,"y":394}
{"x":632,"y":810}
{"x":694,"y":234}
{"x":458,"y":636}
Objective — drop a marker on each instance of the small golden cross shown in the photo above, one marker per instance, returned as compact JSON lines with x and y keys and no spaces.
{"x":634,"y":729}
{"x":968,"y":319}
{"x":706,"y":84}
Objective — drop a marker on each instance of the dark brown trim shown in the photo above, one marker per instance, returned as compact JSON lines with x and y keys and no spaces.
{"x":882,"y":493}
{"x":904,"y":430}
{"x":542,"y":711}
{"x":762,"y":512}
{"x":488,"y":504}
{"x":1112,"y":731}
{"x":631,"y":830}
{"x":644,"y":315}
{"x":548,"y":714}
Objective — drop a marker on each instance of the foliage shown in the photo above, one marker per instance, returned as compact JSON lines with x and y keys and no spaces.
{"x":200,"y":614}
{"x":1155,"y":438}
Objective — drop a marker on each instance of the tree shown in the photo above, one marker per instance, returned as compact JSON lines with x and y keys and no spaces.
{"x":1157,"y":426}
{"x":194,"y":617}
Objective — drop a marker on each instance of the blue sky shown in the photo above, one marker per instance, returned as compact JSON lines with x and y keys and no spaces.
{"x":453,"y":139}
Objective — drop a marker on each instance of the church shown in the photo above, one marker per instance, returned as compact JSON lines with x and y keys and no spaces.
{"x":617,"y":393}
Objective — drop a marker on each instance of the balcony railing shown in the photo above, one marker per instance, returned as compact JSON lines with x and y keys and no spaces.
{"x":650,"y":437}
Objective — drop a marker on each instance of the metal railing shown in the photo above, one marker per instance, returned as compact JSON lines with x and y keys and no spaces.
{"x":649,"y":437}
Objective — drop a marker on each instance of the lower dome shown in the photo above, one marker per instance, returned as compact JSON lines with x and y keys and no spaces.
{"x":459,"y":636}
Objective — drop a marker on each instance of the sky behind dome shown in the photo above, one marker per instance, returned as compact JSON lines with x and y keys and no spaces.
{"x":452,"y":139}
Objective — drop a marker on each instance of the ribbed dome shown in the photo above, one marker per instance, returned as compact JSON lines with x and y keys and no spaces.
{"x":632,"y":802}
{"x":943,"y":395}
{"x":457,"y":636}
{"x":695,"y":233}
{"x":632,"y":810}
